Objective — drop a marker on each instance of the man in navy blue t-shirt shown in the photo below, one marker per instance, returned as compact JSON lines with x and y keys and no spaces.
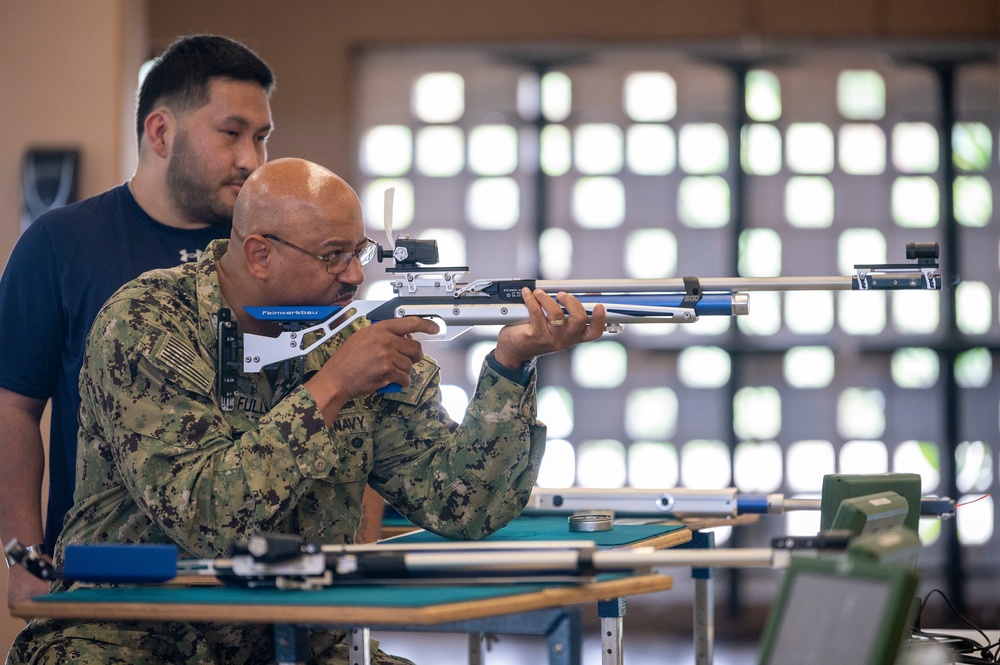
{"x":203,"y":118}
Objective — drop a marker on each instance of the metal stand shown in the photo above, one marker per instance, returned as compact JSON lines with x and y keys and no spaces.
{"x":359,"y":645}
{"x":612,"y":615}
{"x":704,"y":601}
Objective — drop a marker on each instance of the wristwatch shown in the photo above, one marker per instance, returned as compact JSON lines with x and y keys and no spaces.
{"x":522,"y":375}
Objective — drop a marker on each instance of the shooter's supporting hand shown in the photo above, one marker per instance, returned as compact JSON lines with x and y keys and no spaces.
{"x":549,"y":328}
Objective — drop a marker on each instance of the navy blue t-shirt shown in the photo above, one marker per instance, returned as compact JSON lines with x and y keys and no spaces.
{"x":62,"y":270}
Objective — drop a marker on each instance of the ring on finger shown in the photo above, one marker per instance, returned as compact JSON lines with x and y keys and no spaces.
{"x":555,"y":323}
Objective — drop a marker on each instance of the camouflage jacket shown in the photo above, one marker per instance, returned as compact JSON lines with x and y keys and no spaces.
{"x":160,"y":461}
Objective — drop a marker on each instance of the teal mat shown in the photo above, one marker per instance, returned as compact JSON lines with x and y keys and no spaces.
{"x":557,"y":528}
{"x":358,"y":596}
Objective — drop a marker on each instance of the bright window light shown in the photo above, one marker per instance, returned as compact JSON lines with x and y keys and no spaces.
{"x":862,"y":149}
{"x":555,"y":249}
{"x":703,"y":201}
{"x":440,"y":151}
{"x":598,"y":148}
{"x":708,"y":326}
{"x":652,"y":464}
{"x":809,"y":312}
{"x":705,"y":464}
{"x":757,"y":413}
{"x":915,"y":147}
{"x":651,"y":149}
{"x":374,"y":206}
{"x":972,"y":146}
{"x":915,"y":202}
{"x":556,"y":155}
{"x":973,"y":467}
{"x":861,"y":313}
{"x":439,"y":97}
{"x":529,"y":95}
{"x":809,"y":366}
{"x":806,"y":462}
{"x":915,"y":367}
{"x":601,"y":463}
{"x":558,"y":468}
{"x":760,"y":149}
{"x":809,"y":202}
{"x":555,"y":409}
{"x":600,"y":364}
{"x":650,"y":254}
{"x":765,"y":316}
{"x":651,"y":413}
{"x":974,"y":368}
{"x":973,"y":200}
{"x":703,"y":148}
{"x":859,"y":246}
{"x":975,"y":520}
{"x":861,"y":94}
{"x":650,"y":96}
{"x":809,"y":147}
{"x":757,"y":466}
{"x":703,"y":367}
{"x":863,"y":457}
{"x":387,"y":150}
{"x":916,"y":312}
{"x":451,"y":245}
{"x":455,"y":401}
{"x":921,"y":458}
{"x":974,"y":307}
{"x":861,"y":413}
{"x":557,"y":96}
{"x":929,"y":530}
{"x":493,"y":203}
{"x":599,"y":203}
{"x":760,"y":253}
{"x":802,"y":522}
{"x":493,"y":150}
{"x":474,"y":358}
{"x":763,"y":95}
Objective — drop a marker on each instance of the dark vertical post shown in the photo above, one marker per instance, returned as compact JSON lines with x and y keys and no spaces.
{"x":950,"y":263}
{"x":738,"y":206}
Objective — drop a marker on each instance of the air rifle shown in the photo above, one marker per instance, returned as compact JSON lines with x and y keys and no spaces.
{"x":681,"y":502}
{"x":456,"y":303}
{"x":289,"y":562}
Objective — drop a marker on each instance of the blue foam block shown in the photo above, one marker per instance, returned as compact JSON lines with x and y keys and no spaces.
{"x":120,"y":563}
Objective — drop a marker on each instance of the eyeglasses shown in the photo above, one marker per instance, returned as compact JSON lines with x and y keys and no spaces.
{"x":337,"y":260}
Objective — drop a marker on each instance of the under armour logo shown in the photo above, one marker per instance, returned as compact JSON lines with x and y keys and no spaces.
{"x":187,"y":256}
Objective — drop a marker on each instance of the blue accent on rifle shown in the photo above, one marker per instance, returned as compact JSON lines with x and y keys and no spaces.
{"x":711,"y":304}
{"x":120,"y":563}
{"x":751,"y":503}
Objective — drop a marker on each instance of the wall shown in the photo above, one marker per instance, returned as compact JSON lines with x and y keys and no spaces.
{"x":67,"y":78}
{"x":310,"y":44}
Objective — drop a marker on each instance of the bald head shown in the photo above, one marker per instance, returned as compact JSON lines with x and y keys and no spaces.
{"x":284,"y":195}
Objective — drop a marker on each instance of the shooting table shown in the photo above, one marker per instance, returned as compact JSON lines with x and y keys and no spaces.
{"x":389,"y":607}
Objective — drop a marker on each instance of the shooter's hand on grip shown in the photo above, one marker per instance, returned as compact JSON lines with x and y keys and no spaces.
{"x":549,"y":328}
{"x":371,"y":358}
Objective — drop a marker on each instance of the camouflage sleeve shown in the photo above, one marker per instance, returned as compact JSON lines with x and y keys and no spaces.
{"x":464,"y":480}
{"x":147,"y":389}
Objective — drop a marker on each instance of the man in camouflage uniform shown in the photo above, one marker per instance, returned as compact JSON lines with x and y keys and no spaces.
{"x":161,"y":462}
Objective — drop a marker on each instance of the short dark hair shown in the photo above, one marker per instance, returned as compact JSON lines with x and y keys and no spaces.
{"x":180,"y":76}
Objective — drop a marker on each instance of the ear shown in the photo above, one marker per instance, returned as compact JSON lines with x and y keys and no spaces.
{"x":159,"y":129}
{"x":257,"y":254}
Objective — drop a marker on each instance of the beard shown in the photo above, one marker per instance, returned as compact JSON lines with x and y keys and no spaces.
{"x":191,"y":190}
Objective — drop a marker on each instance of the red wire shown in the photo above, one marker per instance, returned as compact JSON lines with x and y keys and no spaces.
{"x":973,"y":501}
